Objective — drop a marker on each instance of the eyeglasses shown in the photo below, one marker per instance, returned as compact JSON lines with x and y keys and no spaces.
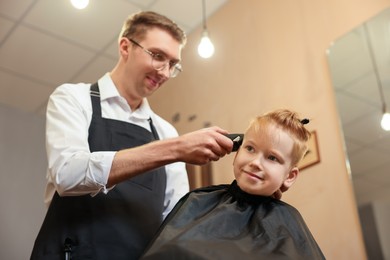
{"x":160,"y":62}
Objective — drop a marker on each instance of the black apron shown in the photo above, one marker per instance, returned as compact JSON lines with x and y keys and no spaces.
{"x":117,"y":225}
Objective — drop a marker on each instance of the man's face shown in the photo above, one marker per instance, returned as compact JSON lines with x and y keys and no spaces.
{"x":263,"y":162}
{"x":144,"y":78}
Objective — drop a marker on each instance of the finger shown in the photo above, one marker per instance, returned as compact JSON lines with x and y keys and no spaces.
{"x":219,"y":130}
{"x":224,"y":143}
{"x":217,"y":144}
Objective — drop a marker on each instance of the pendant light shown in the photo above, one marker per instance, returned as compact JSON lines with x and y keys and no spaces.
{"x":80,"y":4}
{"x":205,"y":47}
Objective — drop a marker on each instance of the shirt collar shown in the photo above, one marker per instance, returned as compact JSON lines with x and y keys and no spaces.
{"x":144,"y":111}
{"x":108,"y":90}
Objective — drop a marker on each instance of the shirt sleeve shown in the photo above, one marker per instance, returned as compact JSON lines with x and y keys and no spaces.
{"x":72,"y":168}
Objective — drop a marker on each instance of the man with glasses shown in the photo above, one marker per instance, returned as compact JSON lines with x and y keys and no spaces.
{"x":115,"y":168}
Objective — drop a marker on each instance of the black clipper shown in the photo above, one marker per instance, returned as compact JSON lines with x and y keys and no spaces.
{"x":237,"y":140}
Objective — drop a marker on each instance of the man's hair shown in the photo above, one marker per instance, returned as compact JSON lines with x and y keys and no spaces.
{"x":138,"y":24}
{"x":287,"y":121}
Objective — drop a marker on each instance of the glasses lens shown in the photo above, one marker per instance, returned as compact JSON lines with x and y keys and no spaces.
{"x":160,"y":63}
{"x":175,"y":70}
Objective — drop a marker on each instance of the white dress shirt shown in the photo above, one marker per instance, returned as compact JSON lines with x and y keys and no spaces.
{"x":72,"y":169}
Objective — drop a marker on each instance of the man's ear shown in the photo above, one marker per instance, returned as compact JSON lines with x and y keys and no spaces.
{"x":291,"y":177}
{"x":124,"y":46}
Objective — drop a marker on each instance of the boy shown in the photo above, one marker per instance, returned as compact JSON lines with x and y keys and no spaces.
{"x":243,"y":220}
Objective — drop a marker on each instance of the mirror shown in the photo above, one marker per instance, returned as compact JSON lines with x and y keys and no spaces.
{"x":359,"y":63}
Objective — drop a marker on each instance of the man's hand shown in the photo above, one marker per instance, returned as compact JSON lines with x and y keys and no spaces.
{"x":204,"y":145}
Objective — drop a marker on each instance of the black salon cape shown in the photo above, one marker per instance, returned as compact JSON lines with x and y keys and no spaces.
{"x":223,"y":222}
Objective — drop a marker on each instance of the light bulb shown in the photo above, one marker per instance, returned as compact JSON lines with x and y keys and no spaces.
{"x":385,"y":123}
{"x":205,"y":47}
{"x":80,"y":4}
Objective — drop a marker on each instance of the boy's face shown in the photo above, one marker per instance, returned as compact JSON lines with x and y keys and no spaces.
{"x":263,"y":162}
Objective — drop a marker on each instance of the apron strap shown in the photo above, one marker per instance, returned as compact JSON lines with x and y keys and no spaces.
{"x":95,"y":99}
{"x":154,"y":131}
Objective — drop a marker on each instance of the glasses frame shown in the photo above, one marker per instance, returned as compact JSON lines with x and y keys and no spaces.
{"x":174,"y":70}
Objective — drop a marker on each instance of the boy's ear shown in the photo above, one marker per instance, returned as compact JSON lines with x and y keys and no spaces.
{"x":291,"y":177}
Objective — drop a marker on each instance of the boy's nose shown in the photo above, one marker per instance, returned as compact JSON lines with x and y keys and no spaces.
{"x":257,"y":163}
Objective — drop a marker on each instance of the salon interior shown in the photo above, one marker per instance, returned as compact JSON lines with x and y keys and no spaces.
{"x":327,"y":59}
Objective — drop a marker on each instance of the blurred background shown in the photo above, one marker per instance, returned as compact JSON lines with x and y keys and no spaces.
{"x":309,"y":56}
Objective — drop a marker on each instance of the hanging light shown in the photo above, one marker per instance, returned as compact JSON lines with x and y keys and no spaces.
{"x":205,"y":47}
{"x":80,"y":4}
{"x":385,"y":122}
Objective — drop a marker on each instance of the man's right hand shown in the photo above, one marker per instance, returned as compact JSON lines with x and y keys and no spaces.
{"x":204,"y":145}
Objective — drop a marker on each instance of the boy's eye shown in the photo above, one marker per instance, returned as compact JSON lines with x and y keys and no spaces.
{"x":249,"y":148}
{"x":273,"y":158}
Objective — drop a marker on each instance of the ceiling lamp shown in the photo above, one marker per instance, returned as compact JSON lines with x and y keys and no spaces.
{"x":385,"y":122}
{"x":80,"y":4}
{"x":205,"y":47}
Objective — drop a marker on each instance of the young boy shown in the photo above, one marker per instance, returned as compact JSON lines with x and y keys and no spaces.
{"x":243,"y":220}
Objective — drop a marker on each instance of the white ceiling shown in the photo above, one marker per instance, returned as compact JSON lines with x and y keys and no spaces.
{"x":360,"y":107}
{"x":44,"y":43}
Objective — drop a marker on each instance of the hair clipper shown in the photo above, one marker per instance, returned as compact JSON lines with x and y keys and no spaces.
{"x":237,"y":140}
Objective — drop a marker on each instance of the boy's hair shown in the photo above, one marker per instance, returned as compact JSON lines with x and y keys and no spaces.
{"x":287,"y":121}
{"x":136,"y":26}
